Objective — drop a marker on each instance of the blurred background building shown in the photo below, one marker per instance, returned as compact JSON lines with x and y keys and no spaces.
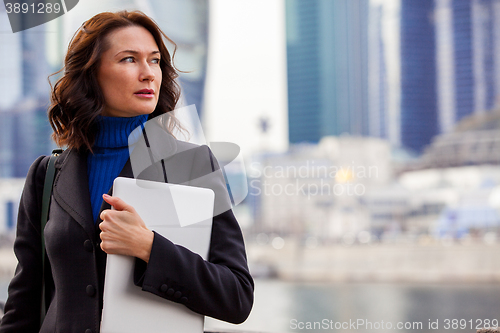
{"x":23,"y":126}
{"x":327,"y":89}
{"x":402,"y":70}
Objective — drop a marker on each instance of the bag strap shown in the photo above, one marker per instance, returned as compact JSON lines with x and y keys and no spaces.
{"x":47,"y":192}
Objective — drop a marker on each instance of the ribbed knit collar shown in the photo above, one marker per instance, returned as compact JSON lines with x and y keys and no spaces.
{"x":114,"y":131}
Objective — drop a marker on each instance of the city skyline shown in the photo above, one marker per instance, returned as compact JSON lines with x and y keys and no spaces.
{"x":398,"y":70}
{"x":425,"y":65}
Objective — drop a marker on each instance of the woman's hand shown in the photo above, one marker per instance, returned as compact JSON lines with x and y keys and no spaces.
{"x":123,"y":231}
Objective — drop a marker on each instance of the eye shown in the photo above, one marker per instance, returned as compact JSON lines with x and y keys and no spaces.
{"x":156,"y":60}
{"x":127,"y":59}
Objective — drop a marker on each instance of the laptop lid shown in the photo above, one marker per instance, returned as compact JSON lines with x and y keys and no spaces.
{"x":183,"y":214}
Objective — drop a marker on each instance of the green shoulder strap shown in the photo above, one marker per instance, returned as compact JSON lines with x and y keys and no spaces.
{"x":47,"y":192}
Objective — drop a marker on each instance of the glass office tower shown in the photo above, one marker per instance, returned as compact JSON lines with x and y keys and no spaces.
{"x":327,"y":68}
{"x":418,"y":75}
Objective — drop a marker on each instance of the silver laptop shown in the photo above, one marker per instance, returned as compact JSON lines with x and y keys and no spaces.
{"x":183,"y":214}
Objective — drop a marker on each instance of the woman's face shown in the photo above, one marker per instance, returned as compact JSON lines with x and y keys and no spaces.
{"x":129,"y":74}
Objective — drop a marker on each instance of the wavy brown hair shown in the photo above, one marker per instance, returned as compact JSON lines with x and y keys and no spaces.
{"x":76,"y":98}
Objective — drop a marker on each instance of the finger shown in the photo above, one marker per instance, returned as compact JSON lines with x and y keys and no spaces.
{"x":103,"y":225}
{"x":106,"y":247}
{"x":103,"y":214}
{"x":117,"y":203}
{"x":108,"y":214}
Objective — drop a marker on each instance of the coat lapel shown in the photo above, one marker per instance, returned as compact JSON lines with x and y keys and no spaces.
{"x":71,"y":188}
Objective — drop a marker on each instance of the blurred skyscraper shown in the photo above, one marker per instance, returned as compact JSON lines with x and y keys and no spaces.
{"x":402,"y":73}
{"x":186,"y":23}
{"x":25,"y":133}
{"x":346,"y":59}
{"x":384,"y":70}
{"x":418,"y":74}
{"x":377,"y":74}
{"x":468,"y":58}
{"x":10,"y":66}
{"x":327,"y":68}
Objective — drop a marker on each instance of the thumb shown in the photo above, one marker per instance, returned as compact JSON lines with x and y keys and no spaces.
{"x":117,"y":203}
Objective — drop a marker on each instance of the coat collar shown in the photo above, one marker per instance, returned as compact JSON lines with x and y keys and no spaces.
{"x":71,"y":188}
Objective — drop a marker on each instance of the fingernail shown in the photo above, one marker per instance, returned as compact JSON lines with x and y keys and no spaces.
{"x":106,"y":196}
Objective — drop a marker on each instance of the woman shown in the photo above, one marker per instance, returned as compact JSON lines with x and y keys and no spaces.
{"x":117,"y":75}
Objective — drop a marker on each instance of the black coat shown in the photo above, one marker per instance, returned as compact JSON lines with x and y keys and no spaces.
{"x":220,"y":287}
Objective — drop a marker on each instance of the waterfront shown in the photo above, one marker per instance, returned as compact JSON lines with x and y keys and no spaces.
{"x":283,"y":306}
{"x":426,"y":260}
{"x":357,"y":296}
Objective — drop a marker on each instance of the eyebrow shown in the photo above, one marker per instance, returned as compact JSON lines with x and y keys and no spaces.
{"x":136,"y":52}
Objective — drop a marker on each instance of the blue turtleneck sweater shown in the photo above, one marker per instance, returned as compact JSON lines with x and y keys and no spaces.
{"x":110,"y":152}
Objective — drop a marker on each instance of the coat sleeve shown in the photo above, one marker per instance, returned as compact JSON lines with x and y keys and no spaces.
{"x":220,"y":287}
{"x":22,"y":308}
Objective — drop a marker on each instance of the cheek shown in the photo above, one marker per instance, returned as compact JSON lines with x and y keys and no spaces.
{"x":115,"y":87}
{"x":111,"y":92}
{"x":105,"y":80}
{"x":113,"y":80}
{"x":158,"y":75}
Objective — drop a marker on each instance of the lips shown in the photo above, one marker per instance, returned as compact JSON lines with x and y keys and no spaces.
{"x":145,"y":92}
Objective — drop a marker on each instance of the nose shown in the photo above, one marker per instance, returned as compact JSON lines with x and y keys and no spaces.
{"x":147,"y":72}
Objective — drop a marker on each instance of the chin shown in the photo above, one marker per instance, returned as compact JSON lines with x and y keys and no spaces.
{"x":139,"y":112}
{"x":143,"y":110}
